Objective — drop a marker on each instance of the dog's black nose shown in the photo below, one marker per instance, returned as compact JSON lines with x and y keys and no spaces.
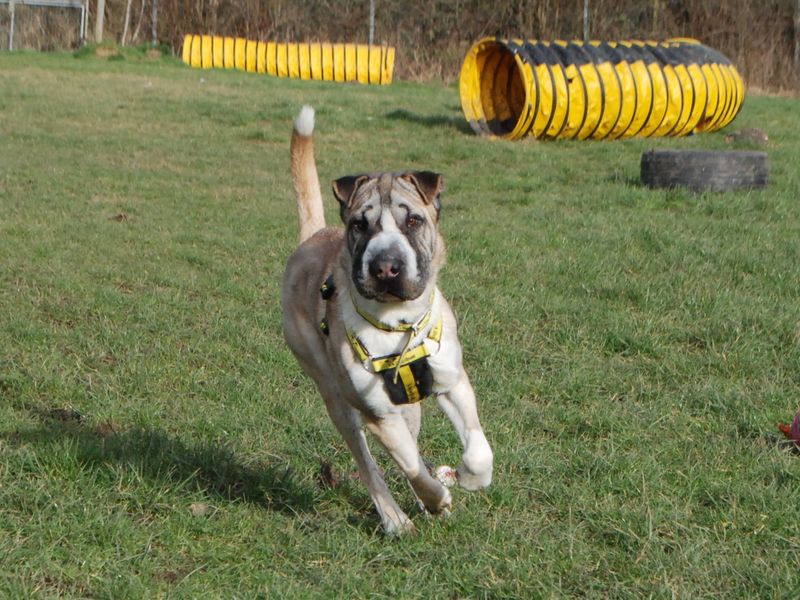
{"x":385,"y":267}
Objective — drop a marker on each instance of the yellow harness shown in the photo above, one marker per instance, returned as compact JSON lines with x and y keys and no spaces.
{"x":410,"y":365}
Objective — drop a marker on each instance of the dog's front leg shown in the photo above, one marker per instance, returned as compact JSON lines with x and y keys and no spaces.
{"x":475,"y":471}
{"x":347,"y":422}
{"x":394,"y":435}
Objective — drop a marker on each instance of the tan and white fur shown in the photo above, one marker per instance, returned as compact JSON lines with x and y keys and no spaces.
{"x":384,"y":263}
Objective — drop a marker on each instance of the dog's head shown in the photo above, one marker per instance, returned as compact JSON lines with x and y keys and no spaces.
{"x":392,"y":232}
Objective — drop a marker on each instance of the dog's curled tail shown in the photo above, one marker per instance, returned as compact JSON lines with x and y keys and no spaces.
{"x":304,"y":175}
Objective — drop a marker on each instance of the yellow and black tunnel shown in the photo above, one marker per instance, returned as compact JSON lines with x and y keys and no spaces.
{"x":316,"y":60}
{"x":597,"y":90}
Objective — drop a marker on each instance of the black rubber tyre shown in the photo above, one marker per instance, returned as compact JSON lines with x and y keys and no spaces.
{"x":701,"y":170}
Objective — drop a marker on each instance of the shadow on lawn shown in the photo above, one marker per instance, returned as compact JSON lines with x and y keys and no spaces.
{"x":158,"y":456}
{"x":430,"y":120}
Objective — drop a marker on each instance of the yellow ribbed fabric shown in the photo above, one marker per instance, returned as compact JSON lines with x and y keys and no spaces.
{"x":597,"y":90}
{"x":316,"y":60}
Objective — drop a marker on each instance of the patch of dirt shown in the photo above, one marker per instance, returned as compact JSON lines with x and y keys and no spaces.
{"x":65,"y":415}
{"x":107,"y":429}
{"x":106,"y":52}
{"x":750,"y":135}
{"x":199,"y":509}
{"x":169,"y":576}
{"x":326,"y":478}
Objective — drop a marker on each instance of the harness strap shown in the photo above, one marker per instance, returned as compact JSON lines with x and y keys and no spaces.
{"x":402,"y":326}
{"x":410,"y":365}
{"x":391,"y":361}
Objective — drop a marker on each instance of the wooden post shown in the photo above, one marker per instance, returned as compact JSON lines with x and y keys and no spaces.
{"x":797,"y":36}
{"x":98,"y":21}
{"x":11,"y":26}
{"x":656,"y":18}
{"x":126,"y":22}
{"x":372,"y":21}
{"x":585,"y":21}
{"x":84,"y":21}
{"x":154,"y":22}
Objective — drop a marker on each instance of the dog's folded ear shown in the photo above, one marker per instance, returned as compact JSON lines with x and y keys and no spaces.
{"x":346,"y":187}
{"x":428,"y":184}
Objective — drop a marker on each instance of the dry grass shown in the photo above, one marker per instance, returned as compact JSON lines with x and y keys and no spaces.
{"x":432,"y":36}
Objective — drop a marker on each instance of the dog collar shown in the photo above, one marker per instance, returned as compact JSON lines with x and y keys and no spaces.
{"x":415,"y":327}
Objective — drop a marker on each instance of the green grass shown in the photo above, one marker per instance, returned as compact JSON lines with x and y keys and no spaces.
{"x":632,"y":351}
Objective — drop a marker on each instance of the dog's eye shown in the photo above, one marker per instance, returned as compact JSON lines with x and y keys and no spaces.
{"x":414,"y":221}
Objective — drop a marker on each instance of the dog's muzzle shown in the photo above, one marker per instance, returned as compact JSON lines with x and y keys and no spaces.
{"x":386,"y":267}
{"x":389,"y":275}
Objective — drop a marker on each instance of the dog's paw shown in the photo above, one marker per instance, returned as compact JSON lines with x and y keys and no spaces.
{"x":475,"y":471}
{"x":442,"y":514}
{"x":473,"y":481}
{"x":445,"y":504}
{"x":396,"y":529}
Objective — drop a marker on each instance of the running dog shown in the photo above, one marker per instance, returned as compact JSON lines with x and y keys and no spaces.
{"x":365,"y":320}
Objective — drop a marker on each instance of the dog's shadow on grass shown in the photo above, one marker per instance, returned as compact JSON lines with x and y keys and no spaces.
{"x":160,"y":457}
{"x":430,"y":120}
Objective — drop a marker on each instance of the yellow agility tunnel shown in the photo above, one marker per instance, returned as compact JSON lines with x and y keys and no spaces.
{"x":597,"y":90}
{"x":317,"y":60}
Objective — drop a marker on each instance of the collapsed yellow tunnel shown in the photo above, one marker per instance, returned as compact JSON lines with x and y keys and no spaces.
{"x":597,"y":90}
{"x":320,"y":61}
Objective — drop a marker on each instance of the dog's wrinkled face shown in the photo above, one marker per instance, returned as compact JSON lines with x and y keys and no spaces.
{"x":392,"y":232}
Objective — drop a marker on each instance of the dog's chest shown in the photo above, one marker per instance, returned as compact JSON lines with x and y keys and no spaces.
{"x":394,"y":368}
{"x":398,"y":359}
{"x":393,"y":360}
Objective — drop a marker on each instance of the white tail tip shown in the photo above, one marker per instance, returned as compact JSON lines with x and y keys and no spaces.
{"x":304,"y":123}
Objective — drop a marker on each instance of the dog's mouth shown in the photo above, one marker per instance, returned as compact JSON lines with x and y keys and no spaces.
{"x":389,"y":296}
{"x":395,"y":290}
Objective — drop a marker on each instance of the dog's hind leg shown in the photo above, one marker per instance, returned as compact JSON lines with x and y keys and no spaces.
{"x":395,"y":522}
{"x":475,"y":471}
{"x":394,"y":435}
{"x":412,"y":414}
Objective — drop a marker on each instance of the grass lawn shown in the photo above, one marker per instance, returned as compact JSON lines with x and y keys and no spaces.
{"x":632,"y":351}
